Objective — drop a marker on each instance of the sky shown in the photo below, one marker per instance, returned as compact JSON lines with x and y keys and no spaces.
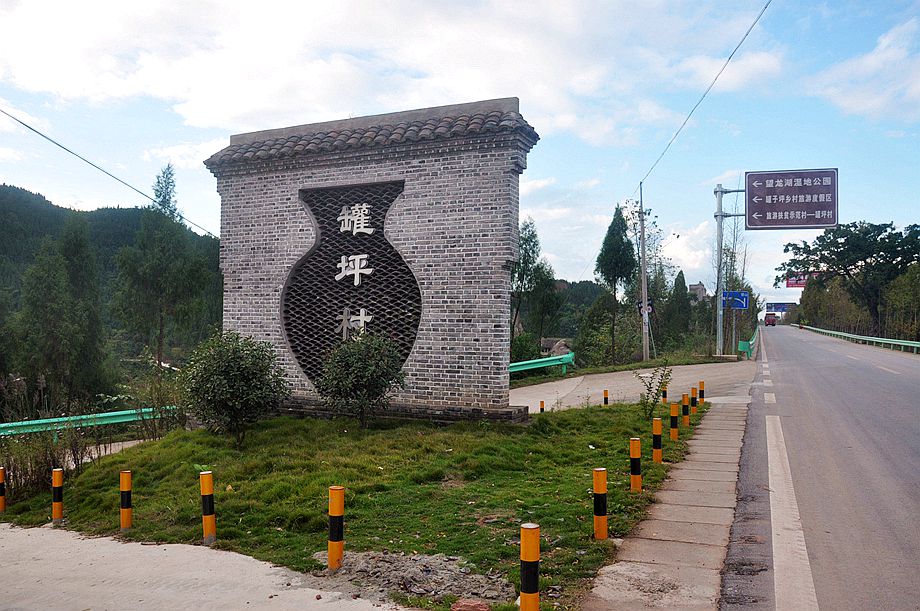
{"x":134,"y":86}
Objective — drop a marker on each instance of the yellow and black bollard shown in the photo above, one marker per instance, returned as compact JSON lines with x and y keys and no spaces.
{"x":542,"y":406}
{"x":635,"y":464}
{"x":656,"y":440}
{"x":674,"y":422}
{"x":57,"y":496}
{"x":336,"y":546}
{"x":606,"y":397}
{"x":600,"y":503}
{"x":702,"y":391}
{"x":693,"y":400}
{"x":127,"y":513}
{"x":685,"y":407}
{"x":530,"y":567}
{"x":208,"y":518}
{"x":664,"y":395}
{"x":2,"y":489}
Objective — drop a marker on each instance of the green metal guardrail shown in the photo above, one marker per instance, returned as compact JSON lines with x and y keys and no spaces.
{"x":749,"y":346}
{"x":865,"y":339}
{"x":57,"y":424}
{"x":552,"y":361}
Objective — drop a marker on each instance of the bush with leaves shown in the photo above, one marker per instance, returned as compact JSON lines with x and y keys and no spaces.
{"x":654,"y":382}
{"x":231,"y":381}
{"x":359,"y":374}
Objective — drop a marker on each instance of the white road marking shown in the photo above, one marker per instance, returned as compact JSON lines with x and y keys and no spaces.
{"x":849,"y":356}
{"x":769,"y":397}
{"x":889,"y":370}
{"x":794,"y":586}
{"x":767,"y":382}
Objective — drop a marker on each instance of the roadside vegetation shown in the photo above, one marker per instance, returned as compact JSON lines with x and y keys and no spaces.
{"x":412,"y":487}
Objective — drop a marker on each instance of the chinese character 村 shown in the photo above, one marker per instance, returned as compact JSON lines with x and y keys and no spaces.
{"x":348,"y":321}
{"x":355,"y":265}
{"x":355,"y":219}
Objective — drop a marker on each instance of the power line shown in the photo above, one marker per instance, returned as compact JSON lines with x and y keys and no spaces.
{"x":103,"y":170}
{"x":705,"y":93}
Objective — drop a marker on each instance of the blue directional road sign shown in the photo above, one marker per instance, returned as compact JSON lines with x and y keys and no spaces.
{"x":736,"y":300}
{"x":780,"y":307}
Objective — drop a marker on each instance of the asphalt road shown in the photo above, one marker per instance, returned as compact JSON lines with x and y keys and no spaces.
{"x":845,"y":420}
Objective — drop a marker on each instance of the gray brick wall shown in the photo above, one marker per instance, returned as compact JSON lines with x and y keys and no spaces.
{"x":455,"y":225}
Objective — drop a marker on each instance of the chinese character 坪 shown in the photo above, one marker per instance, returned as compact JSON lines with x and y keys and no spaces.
{"x":355,"y":219}
{"x":355,"y":265}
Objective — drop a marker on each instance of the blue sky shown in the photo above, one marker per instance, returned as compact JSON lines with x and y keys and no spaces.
{"x":606,"y":84}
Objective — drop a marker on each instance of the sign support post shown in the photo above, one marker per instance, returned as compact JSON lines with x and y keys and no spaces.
{"x":719,"y":216}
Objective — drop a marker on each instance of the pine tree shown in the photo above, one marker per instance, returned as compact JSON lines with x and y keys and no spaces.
{"x":616,"y":264}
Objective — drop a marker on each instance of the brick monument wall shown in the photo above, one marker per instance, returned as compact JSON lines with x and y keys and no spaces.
{"x":455,"y":224}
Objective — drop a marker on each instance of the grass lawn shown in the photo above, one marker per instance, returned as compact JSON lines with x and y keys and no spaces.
{"x":555,"y":373}
{"x":414,"y":487}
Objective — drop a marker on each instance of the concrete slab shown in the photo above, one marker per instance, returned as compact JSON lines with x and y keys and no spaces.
{"x":697,"y":499}
{"x":672,"y":553}
{"x":687,"y":532}
{"x":714,"y":448}
{"x":703,"y":456}
{"x":690,"y":513}
{"x":628,"y":586}
{"x":697,"y":485}
{"x":717,"y":435}
{"x":705,"y":465}
{"x":709,"y":476}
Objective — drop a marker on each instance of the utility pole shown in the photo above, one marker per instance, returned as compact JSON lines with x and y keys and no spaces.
{"x":720,"y":216}
{"x":643,"y":270}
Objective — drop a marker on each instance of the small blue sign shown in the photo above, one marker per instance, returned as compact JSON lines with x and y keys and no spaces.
{"x":736,"y":300}
{"x":780,"y":307}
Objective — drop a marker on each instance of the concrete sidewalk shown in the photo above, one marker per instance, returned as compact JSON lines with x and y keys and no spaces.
{"x":674,"y":558}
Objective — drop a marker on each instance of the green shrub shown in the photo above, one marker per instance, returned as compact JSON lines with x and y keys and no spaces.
{"x":358,"y":375}
{"x":231,"y":380}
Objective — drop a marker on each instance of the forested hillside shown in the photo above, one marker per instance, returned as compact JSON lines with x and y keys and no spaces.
{"x":28,"y":219}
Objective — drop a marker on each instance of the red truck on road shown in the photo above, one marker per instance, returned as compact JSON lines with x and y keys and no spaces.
{"x":770,"y":319}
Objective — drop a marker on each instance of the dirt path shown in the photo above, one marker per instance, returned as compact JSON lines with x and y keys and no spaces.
{"x":46,"y":568}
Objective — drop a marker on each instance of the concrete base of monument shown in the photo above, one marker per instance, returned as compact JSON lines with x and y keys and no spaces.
{"x":304,"y":406}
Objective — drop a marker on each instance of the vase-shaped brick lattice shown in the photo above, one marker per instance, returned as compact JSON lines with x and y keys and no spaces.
{"x":352,"y":280}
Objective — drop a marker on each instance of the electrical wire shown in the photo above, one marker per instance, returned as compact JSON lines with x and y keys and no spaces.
{"x":705,"y":93}
{"x":104,"y":171}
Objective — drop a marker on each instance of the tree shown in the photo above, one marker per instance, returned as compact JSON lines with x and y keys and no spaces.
{"x":522,"y":274}
{"x":47,"y":332}
{"x":160,"y":275}
{"x":867,"y":257}
{"x":89,"y":375}
{"x":359,"y":374}
{"x":164,"y":193}
{"x":677,"y":310}
{"x":231,"y":381}
{"x":544,"y":301}
{"x":616,"y":264}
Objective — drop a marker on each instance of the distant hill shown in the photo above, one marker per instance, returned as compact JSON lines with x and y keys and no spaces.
{"x":26,"y":218}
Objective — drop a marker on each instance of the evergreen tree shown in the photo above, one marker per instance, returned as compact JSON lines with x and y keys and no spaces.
{"x":47,"y":332}
{"x":616,"y":264}
{"x":89,"y":375}
{"x":161,"y":275}
{"x":164,"y":193}
{"x":677,"y":311}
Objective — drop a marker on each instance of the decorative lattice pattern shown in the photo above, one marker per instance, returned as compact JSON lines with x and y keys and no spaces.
{"x":314,"y":303}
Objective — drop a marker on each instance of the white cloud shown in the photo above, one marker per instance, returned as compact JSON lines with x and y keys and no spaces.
{"x":581,"y":67}
{"x":541,"y":215}
{"x":727,"y":179}
{"x":187,"y":155}
{"x":746,"y":70}
{"x":9,"y":125}
{"x":883,"y":83}
{"x":691,"y":251}
{"x":8,"y":155}
{"x":588,"y":184}
{"x":531,"y":185}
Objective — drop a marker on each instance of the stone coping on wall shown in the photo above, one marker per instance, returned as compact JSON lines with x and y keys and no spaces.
{"x":412,"y":126}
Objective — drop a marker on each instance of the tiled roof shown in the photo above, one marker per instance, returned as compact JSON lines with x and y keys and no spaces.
{"x":318,"y":142}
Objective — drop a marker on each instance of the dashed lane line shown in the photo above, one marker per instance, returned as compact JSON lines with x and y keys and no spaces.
{"x":897,"y":373}
{"x":769,"y":397}
{"x":794,"y":586}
